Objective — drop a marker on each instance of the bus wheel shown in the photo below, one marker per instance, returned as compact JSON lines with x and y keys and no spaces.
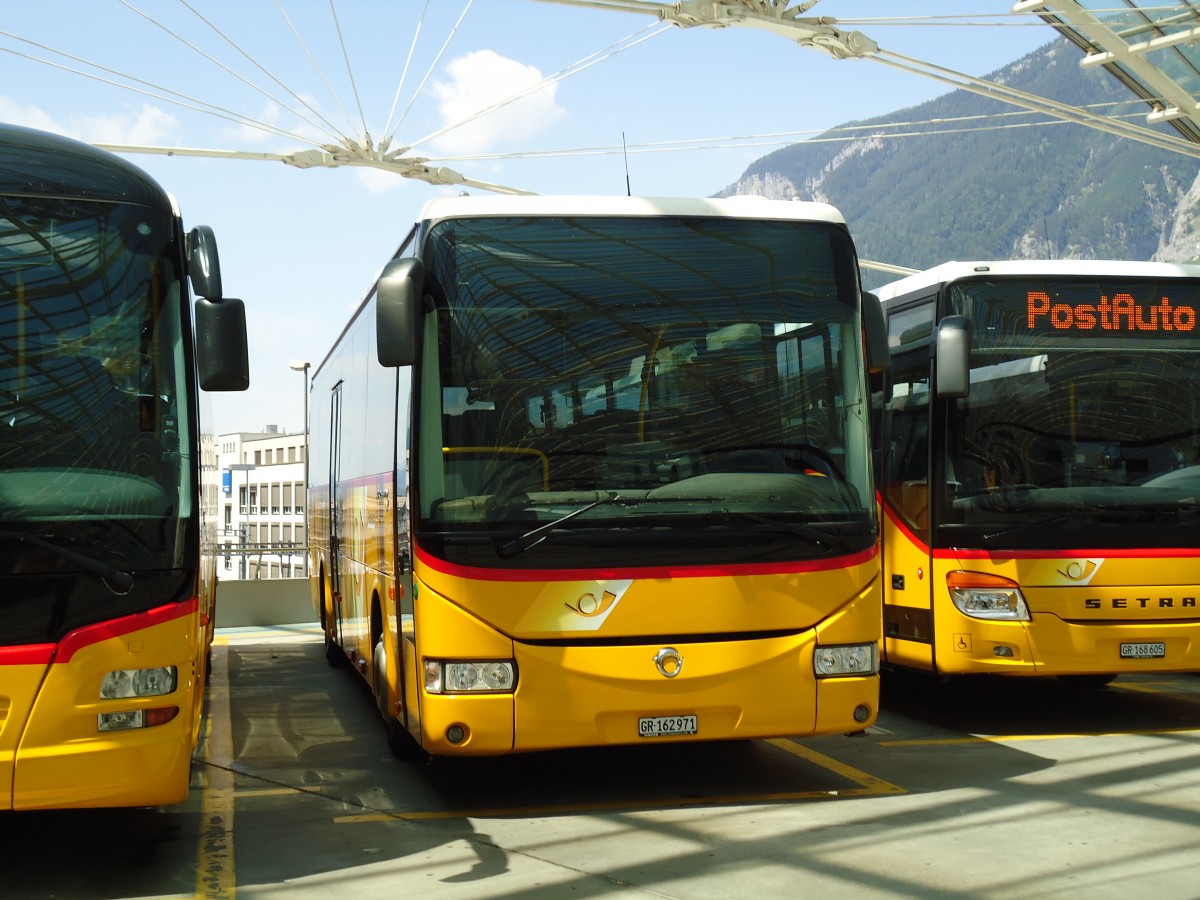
{"x":379,"y":678}
{"x":1086,"y":682}
{"x":333,"y":653}
{"x":402,"y":744}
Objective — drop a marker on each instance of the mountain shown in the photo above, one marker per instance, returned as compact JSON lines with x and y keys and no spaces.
{"x":998,"y":188}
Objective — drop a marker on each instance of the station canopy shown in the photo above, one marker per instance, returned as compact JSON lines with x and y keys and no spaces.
{"x":1151,"y":47}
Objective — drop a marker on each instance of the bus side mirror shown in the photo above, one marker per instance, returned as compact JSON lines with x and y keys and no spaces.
{"x":222,"y":357}
{"x":879,"y":356}
{"x":953,"y":357}
{"x":204,"y":267}
{"x":397,"y":296}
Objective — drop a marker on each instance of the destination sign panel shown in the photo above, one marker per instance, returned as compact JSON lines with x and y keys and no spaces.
{"x":1079,"y":307}
{"x":1116,"y":313}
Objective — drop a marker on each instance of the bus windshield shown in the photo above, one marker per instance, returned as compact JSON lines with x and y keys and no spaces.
{"x":685,"y":372}
{"x":93,"y":411}
{"x":1083,"y":407}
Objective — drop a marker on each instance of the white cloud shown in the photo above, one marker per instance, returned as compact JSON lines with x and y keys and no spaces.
{"x":240,"y":135}
{"x":28,"y":116}
{"x":285,"y":128}
{"x":148,"y":126}
{"x":483,"y":79}
{"x":378,"y":181}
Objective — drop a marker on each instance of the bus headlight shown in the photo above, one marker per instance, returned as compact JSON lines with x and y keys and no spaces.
{"x":846,"y":659}
{"x":139,"y":683}
{"x":466,"y":676}
{"x":987,"y":596}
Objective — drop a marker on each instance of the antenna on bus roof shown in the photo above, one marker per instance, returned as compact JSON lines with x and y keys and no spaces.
{"x":625,"y":152}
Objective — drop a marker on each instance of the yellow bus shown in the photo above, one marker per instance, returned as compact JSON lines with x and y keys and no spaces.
{"x":592,"y":471}
{"x":107,"y":570}
{"x":1039,"y":442}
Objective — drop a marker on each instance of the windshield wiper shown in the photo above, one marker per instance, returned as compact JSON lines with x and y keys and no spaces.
{"x":532,"y":538}
{"x":816,"y":535}
{"x":114,"y":579}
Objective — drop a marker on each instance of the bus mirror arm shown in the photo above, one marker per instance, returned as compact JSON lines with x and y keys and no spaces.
{"x":953,"y":352}
{"x":398,"y":294}
{"x":879,"y":356}
{"x":204,"y":267}
{"x":222,"y":357}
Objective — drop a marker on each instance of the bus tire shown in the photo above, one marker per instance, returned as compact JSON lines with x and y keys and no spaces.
{"x":333,"y":653}
{"x":402,"y":744}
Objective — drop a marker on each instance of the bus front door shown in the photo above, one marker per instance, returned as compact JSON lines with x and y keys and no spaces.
{"x":335,"y":512}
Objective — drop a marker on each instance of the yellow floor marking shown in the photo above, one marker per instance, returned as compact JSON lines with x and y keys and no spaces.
{"x":869,"y":784}
{"x":252,"y":793}
{"x":1006,"y":738}
{"x":1147,"y":687}
{"x":215,"y":875}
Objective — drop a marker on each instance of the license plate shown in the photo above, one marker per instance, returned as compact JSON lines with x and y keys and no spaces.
{"x":664,"y":726}
{"x":1144,"y":650}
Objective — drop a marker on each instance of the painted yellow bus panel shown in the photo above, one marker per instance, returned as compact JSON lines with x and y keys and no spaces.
{"x":62,"y":760}
{"x":653,"y":601}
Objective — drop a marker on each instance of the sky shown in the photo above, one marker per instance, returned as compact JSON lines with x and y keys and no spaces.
{"x":606,"y":101}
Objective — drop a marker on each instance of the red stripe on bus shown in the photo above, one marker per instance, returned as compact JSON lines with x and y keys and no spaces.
{"x":26,"y":655}
{"x":103,"y":631}
{"x":899,"y":523}
{"x":702,"y":571}
{"x":1122,"y":553}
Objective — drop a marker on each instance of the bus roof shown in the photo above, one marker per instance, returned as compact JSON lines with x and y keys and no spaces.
{"x":953,"y":271}
{"x":739,"y":207}
{"x":40,"y":164}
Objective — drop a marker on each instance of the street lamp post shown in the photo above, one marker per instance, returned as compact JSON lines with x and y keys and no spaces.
{"x":302,"y":365}
{"x":243,"y":467}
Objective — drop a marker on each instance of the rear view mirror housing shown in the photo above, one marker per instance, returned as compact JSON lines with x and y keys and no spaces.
{"x":397,"y":299}
{"x":222,"y":357}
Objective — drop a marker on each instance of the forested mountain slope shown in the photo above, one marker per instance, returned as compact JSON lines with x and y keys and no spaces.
{"x":988,"y":191}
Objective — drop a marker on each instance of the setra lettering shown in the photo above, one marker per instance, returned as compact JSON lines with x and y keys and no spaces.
{"x":1142,"y":603}
{"x":1120,"y":313}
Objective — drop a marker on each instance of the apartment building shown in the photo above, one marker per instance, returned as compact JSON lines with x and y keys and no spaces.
{"x":262,"y":530}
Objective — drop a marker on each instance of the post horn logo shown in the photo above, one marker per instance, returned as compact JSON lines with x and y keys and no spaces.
{"x":1080,"y":570}
{"x":588,"y":606}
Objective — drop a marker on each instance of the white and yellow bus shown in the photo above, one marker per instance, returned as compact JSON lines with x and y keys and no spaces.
{"x":1039,"y":443}
{"x":107,"y":570}
{"x":593,"y":471}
